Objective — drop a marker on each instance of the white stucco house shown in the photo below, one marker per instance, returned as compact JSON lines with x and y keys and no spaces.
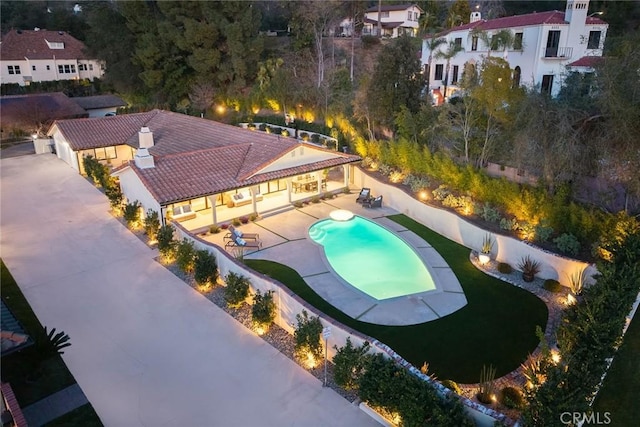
{"x":546,"y":46}
{"x":42,"y":55}
{"x":198,"y":171}
{"x":396,"y":20}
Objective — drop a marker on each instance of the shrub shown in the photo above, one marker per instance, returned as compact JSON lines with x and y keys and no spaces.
{"x":166,"y":243}
{"x":262,"y":127}
{"x":369,"y":41}
{"x":304,"y":136}
{"x":244,"y":219}
{"x":237,"y":289}
{"x":349,"y":364}
{"x":505,"y":268}
{"x":511,"y":397}
{"x":577,"y":281}
{"x":385,"y":170}
{"x":297,"y":204}
{"x":132,"y":214}
{"x":440,"y":193}
{"x":489,"y":213}
{"x":205,"y":267}
{"x":416,"y":183}
{"x":529,"y":268}
{"x":236,"y":222}
{"x":487,"y":385}
{"x":151,"y":224}
{"x":452,"y":385}
{"x":543,"y":232}
{"x":509,"y":224}
{"x":552,"y":285}
{"x":451,"y":201}
{"x":315,"y":199}
{"x":285,"y":132}
{"x":185,"y":255}
{"x":567,"y":243}
{"x":114,"y":194}
{"x":308,"y":346}
{"x":263,"y":312}
{"x":253,"y":217}
{"x":214,"y":229}
{"x":315,"y":138}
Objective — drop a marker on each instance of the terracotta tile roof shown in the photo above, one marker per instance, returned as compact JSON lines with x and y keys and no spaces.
{"x":586,"y":61}
{"x":536,"y":18}
{"x":99,"y":101}
{"x":185,"y":176}
{"x":21,"y":44}
{"x":97,"y":132}
{"x":26,"y":110}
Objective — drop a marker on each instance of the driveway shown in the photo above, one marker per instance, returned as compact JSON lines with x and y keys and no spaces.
{"x":147,"y":350}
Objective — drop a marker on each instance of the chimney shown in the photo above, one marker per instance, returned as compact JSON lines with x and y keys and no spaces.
{"x":143,"y":159}
{"x":475,"y":17}
{"x":145,"y":138}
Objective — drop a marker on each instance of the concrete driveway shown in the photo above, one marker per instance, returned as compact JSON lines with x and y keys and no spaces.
{"x":147,"y":349}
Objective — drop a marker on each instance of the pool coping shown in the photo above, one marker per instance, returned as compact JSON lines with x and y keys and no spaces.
{"x":308,"y":258}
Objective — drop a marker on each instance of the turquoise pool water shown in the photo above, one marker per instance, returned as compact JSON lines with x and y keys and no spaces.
{"x":371,"y":258}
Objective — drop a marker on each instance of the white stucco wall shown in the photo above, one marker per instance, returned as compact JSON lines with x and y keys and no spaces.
{"x":506,"y":249}
{"x":304,"y":154}
{"x":133,"y":189}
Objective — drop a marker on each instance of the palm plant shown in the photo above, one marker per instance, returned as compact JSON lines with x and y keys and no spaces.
{"x":500,"y":41}
{"x":432,"y":44}
{"x":452,"y":50}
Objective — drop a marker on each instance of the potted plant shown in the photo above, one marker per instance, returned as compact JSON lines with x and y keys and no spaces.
{"x":485,"y":250}
{"x":529,"y":268}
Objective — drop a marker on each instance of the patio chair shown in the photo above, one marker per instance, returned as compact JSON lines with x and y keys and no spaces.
{"x":365,"y":194}
{"x":238,"y":242}
{"x":373,"y":203}
{"x":234,"y":232}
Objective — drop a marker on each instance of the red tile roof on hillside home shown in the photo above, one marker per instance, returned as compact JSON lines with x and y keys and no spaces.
{"x":536,"y":18}
{"x":20,"y":44}
{"x":83,"y":134}
{"x":391,"y":7}
{"x":99,"y":101}
{"x":586,"y":61}
{"x":21,"y":110}
{"x":178,"y":177}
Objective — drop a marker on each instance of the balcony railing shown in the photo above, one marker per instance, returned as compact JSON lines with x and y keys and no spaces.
{"x":557,"y":52}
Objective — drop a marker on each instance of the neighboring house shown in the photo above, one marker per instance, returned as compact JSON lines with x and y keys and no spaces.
{"x":546,"y":46}
{"x":396,"y":20}
{"x":199,"y":171}
{"x":34,"y":113}
{"x":42,"y":55}
{"x":100,"y":105}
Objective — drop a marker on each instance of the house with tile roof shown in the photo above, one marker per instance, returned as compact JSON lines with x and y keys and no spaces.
{"x":100,"y":105}
{"x":546,"y":46}
{"x":42,"y":55}
{"x":198,"y":171}
{"x":395,"y":20}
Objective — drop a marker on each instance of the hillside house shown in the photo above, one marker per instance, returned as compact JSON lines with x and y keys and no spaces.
{"x":395,"y":19}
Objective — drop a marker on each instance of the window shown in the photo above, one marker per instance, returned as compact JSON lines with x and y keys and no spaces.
{"x":517,"y":41}
{"x":547,"y":83}
{"x":48,"y":67}
{"x":13,"y":69}
{"x":384,"y":14}
{"x":594,"y":40}
{"x":416,"y":16}
{"x":474,"y":43}
{"x":458,"y":42}
{"x":454,"y":77}
{"x":67,"y":69}
{"x":33,"y":68}
{"x":517,"y":73}
{"x":439,"y":71}
{"x":553,"y":40}
{"x":82,"y":67}
{"x":410,"y":16}
{"x":90,"y":67}
{"x":105,"y":153}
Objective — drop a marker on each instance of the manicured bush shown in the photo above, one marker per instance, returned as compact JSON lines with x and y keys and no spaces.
{"x":543,"y":232}
{"x":304,"y":136}
{"x":505,"y":268}
{"x":185,"y":255}
{"x":151,"y":224}
{"x":214,"y":229}
{"x":509,"y":224}
{"x":489,"y":213}
{"x":315,"y":199}
{"x":349,"y":364}
{"x":237,"y":289}
{"x":262,"y":127}
{"x":552,"y":285}
{"x":315,"y":138}
{"x":308,"y":346}
{"x":452,"y":385}
{"x":205,"y":267}
{"x":131,"y":213}
{"x":114,"y":194}
{"x":236,"y":222}
{"x":244,"y":219}
{"x":511,"y":397}
{"x":263,"y":311}
{"x":166,"y":244}
{"x":567,"y":243}
{"x":253,"y":216}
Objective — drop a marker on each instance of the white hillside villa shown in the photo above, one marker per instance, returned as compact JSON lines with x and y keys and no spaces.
{"x":42,"y":56}
{"x":546,"y":45}
{"x":395,"y":19}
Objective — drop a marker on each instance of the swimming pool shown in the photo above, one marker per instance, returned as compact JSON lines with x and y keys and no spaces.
{"x":371,"y":258}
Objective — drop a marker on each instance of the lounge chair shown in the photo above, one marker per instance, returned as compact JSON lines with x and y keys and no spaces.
{"x":364,"y":195}
{"x":373,"y":203}
{"x":238,"y":242}
{"x":234,"y":232}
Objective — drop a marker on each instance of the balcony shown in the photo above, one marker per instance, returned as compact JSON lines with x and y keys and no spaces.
{"x":557,"y":52}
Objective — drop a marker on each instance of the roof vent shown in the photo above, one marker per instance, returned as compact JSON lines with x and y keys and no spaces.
{"x":36,"y":29}
{"x":475,"y":17}
{"x":145,"y":138}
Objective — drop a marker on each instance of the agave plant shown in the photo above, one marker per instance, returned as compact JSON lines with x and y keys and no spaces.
{"x":576,"y":281}
{"x":51,"y":343}
{"x":487,"y":244}
{"x":529,"y":268}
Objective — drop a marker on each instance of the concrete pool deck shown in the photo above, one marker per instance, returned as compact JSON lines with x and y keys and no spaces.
{"x":285,"y":240}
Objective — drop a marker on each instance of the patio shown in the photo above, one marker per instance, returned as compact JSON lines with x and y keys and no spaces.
{"x":285,"y":240}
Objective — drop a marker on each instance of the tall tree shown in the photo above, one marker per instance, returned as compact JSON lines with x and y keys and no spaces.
{"x":433,"y":44}
{"x":396,"y":81}
{"x":459,"y":13}
{"x":452,"y":50}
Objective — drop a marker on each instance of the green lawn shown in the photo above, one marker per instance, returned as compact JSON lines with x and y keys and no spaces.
{"x":31,"y":381}
{"x":496,"y":327}
{"x":621,"y":388}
